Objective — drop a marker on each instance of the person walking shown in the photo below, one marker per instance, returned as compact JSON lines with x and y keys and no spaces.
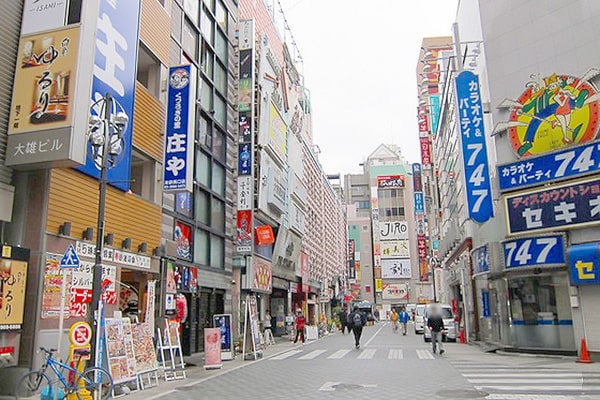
{"x":358,"y":320}
{"x":404,"y":317}
{"x":343,"y":315}
{"x":436,"y":324}
{"x":394,"y":319}
{"x":300,"y":325}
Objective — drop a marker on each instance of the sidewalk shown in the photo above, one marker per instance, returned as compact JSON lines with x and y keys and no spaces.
{"x":196,"y":374}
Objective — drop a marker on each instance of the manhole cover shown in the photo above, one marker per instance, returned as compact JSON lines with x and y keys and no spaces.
{"x":346,"y":386}
{"x":461,"y":394}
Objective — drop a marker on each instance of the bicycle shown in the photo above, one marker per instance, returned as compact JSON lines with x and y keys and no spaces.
{"x":37,"y":384}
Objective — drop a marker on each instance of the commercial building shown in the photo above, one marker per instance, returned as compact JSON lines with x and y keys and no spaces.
{"x":383,"y":262}
{"x":532,"y":261}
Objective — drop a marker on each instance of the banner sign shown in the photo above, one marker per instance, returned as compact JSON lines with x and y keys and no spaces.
{"x":475,"y":160}
{"x":434,"y":112}
{"x":425,"y":152}
{"x":244,"y":231}
{"x":570,"y":163}
{"x":351,"y":261}
{"x":563,"y":206}
{"x":244,"y":193}
{"x":485,"y":303}
{"x":419,"y":203}
{"x":535,"y":251}
{"x":423,"y":270}
{"x":481,"y":259}
{"x":422,"y":246}
{"x":395,"y":249}
{"x":396,"y":268}
{"x":390,"y":182}
{"x":115,"y":71}
{"x":395,"y":291}
{"x":179,"y":139}
{"x":223,"y":323}
{"x":417,"y":181}
{"x":584,"y":264}
{"x":393,"y":230}
{"x":245,"y":159}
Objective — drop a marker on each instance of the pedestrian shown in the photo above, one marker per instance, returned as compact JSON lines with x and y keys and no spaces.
{"x":394,"y":319}
{"x":436,"y":324}
{"x":404,"y":317}
{"x":267,"y":325}
{"x":376,"y":315}
{"x":344,"y":320}
{"x":358,"y":320}
{"x":300,"y":325}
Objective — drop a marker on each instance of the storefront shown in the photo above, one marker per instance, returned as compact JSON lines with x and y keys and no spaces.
{"x":280,"y":306}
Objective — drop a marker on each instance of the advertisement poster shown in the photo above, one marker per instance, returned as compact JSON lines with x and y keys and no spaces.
{"x":395,"y":291}
{"x":244,"y":231}
{"x":423,"y":271}
{"x":13,"y":277}
{"x":52,"y":284}
{"x":390,"y":182}
{"x":121,"y":366}
{"x":145,"y":353}
{"x":223,"y":323}
{"x":212,"y":348}
{"x":262,"y":275}
{"x":183,"y":239}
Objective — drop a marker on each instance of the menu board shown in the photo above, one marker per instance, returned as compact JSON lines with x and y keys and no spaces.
{"x":145,"y":355}
{"x":121,"y":360}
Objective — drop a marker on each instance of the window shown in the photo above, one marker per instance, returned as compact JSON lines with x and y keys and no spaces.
{"x":206,"y":96}
{"x":217,"y":252}
{"x":210,"y":5}
{"x":219,"y":143}
{"x":201,"y":247}
{"x":191,"y":8}
{"x":218,"y":179}
{"x":189,"y":40}
{"x":148,"y":71}
{"x":207,"y":27}
{"x":220,"y":79}
{"x":217,"y":214}
{"x":220,"y":109}
{"x":221,"y":46}
{"x":203,"y":169}
{"x":204,"y":132}
{"x":176,"y":14}
{"x":203,"y":207}
{"x":208,"y":61}
{"x":221,"y":15}
{"x":142,"y":175}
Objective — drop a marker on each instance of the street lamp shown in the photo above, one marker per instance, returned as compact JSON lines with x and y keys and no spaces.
{"x":107,"y":123}
{"x":434,"y":263}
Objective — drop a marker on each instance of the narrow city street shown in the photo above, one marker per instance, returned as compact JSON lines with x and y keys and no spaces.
{"x":387,"y":366}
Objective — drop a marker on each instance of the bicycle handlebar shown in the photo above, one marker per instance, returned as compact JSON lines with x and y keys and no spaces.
{"x":48,"y":351}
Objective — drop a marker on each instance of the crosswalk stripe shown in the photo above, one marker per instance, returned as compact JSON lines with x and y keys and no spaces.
{"x":424,"y":354}
{"x":526,"y":376}
{"x":531,"y":388}
{"x":339,"y":354}
{"x":367,"y":354}
{"x":313,"y":354}
{"x":395,"y":354}
{"x":286,"y":355}
{"x":541,"y":381}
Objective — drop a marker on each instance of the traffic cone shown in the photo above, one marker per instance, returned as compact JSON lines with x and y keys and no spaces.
{"x":584,"y":354}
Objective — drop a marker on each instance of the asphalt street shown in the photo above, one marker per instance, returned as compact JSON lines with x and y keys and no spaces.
{"x":387,"y":366}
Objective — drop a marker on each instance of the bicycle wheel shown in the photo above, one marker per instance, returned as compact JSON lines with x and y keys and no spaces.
{"x":32,"y":385}
{"x":95,"y":380}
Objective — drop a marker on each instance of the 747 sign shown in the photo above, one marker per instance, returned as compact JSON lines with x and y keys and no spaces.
{"x":536,"y":251}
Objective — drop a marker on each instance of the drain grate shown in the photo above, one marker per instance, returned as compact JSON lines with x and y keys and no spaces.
{"x":461,"y":394}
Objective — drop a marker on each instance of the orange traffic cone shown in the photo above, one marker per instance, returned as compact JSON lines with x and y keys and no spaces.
{"x":584,"y":354}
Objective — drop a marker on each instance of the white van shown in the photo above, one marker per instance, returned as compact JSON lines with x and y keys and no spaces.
{"x":419,"y":321}
{"x":449,"y":333}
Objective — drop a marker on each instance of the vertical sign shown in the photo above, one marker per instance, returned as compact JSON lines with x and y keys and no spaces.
{"x":351,"y":260}
{"x":475,"y":161}
{"x":223,"y":323}
{"x":425,"y":152}
{"x":179,"y":140}
{"x":246,"y":138}
{"x":115,"y":70}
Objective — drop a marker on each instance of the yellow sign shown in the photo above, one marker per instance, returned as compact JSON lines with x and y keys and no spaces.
{"x":378,"y":285}
{"x":6,"y":251}
{"x":585,"y":270}
{"x":13,"y":277}
{"x":44,"y":86}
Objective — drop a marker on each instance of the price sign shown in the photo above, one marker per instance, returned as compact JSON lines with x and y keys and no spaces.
{"x":534,"y":251}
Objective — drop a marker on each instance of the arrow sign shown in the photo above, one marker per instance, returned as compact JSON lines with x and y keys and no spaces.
{"x":70,"y":258}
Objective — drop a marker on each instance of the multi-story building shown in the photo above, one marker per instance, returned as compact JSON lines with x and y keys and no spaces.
{"x":383,"y":265}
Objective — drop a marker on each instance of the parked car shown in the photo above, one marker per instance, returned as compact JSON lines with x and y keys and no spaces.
{"x":449,"y":333}
{"x":419,"y":322}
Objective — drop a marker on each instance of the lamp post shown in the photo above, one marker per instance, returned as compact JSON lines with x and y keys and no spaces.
{"x":105,"y":136}
{"x":434,"y":263}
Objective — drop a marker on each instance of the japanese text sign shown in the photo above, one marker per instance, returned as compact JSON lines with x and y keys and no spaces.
{"x":417,"y":179}
{"x":115,"y":71}
{"x":534,"y":251}
{"x":573,"y":162}
{"x":244,"y":238}
{"x":245,"y":159}
{"x":396,"y":268}
{"x":470,"y":121}
{"x":179,"y":139}
{"x":481,"y":259}
{"x":419,"y":203}
{"x":566,"y":206}
{"x":390,"y":181}
{"x":425,"y":152}
{"x":13,"y":279}
{"x":584,"y":264}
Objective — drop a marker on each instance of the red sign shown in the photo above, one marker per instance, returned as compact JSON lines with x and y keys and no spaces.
{"x":422,"y":247}
{"x":80,"y":333}
{"x":264,"y":235}
{"x":80,"y":298}
{"x":390,"y":181}
{"x":423,"y":122}
{"x":244,"y":231}
{"x":183,"y":238}
{"x":425,"y":151}
{"x":423,"y":271}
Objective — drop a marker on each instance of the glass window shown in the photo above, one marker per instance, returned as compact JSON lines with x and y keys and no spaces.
{"x":218,"y":179}
{"x":207,"y":26}
{"x":206,"y":96}
{"x":221,"y":46}
{"x":204,"y":132}
{"x":191,"y":8}
{"x":220,"y":109}
{"x":208,"y":61}
{"x":210,"y":5}
{"x":217,"y":211}
{"x":221,"y":15}
{"x":203,"y":207}
{"x":219,"y":149}
{"x":217,"y":252}
{"x":220,"y":79}
{"x":176,"y":14}
{"x":201,"y":247}
{"x":189,"y":40}
{"x":203,"y":169}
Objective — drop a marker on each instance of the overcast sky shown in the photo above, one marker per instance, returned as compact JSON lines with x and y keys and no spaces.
{"x":360,"y":59}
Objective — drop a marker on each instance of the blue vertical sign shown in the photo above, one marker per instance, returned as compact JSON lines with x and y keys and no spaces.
{"x":419,"y":203}
{"x":179,"y":140}
{"x":470,"y":120}
{"x":485,"y":302}
{"x":115,"y":70}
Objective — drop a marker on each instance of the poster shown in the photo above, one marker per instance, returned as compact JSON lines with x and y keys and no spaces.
{"x":212,"y":348}
{"x":121,"y":362}
{"x":223,"y":323}
{"x":261,"y":275}
{"x":13,"y":277}
{"x":145,"y":353}
{"x":183,"y":239}
{"x":52,"y":285}
{"x":244,"y":231}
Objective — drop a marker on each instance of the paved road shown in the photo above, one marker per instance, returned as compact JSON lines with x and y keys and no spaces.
{"x":388,"y":366}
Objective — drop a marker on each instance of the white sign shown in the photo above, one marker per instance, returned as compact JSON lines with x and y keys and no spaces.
{"x":132,"y":259}
{"x":396,"y":268}
{"x":394,"y":230}
{"x":395,"y":249}
{"x":395,"y":291}
{"x":43,"y":15}
{"x":244,"y":192}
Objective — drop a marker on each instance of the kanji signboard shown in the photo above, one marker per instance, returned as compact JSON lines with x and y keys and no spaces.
{"x":563,"y":206}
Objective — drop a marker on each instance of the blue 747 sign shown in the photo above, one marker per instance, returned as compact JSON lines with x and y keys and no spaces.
{"x":534,"y":251}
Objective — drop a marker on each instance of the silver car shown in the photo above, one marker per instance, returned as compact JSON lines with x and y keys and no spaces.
{"x":419,"y":321}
